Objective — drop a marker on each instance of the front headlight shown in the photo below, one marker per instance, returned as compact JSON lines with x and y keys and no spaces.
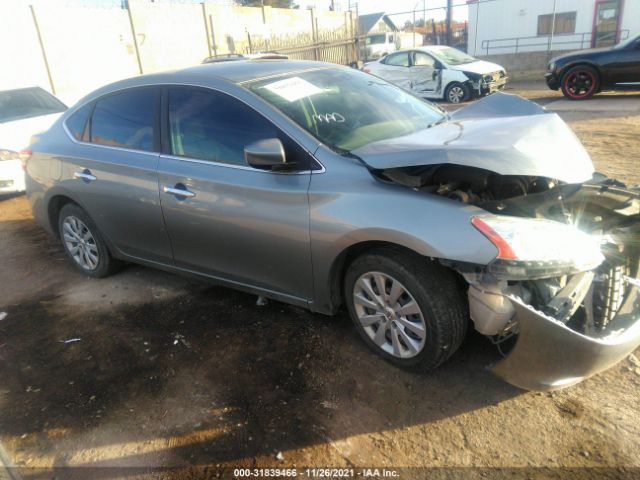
{"x":474,"y":77}
{"x":551,"y":67}
{"x":530,"y":248}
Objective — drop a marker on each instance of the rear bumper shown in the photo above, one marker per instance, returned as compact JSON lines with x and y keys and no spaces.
{"x":548,"y":355}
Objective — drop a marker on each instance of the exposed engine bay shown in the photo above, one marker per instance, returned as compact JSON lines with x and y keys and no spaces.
{"x":585,"y":301}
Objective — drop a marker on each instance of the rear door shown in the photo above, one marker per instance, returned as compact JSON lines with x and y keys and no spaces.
{"x":395,"y":69}
{"x":234,"y":222}
{"x":113,"y":172}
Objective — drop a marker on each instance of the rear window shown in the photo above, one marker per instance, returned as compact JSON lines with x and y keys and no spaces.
{"x":77,"y":121}
{"x":27,"y":103}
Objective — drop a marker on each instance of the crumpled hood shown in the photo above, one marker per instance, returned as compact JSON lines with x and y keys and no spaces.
{"x":480,"y":67}
{"x":503,"y":133}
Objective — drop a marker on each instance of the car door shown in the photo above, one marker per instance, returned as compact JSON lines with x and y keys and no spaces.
{"x":395,"y":69}
{"x":234,"y":222}
{"x":629,"y":72}
{"x":113,"y":170}
{"x":425,"y":75}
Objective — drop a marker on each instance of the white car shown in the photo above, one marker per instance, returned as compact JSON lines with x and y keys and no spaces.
{"x":440,"y":72}
{"x":23,"y":113}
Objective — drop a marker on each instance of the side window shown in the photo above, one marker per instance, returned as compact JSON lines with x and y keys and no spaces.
{"x":77,"y":122}
{"x":126,"y":119}
{"x":423,"y":60}
{"x":212,"y":126}
{"x":397,"y":60}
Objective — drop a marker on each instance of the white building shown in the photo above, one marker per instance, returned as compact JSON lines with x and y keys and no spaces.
{"x":511,"y":26}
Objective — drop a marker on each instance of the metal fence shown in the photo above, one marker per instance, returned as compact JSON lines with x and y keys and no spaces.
{"x":563,"y":41}
{"x":339,"y":46}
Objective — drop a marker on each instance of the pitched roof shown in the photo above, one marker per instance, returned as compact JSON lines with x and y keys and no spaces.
{"x":367,"y":22}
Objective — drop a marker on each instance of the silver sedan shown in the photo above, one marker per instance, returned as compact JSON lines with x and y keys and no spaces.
{"x":323,"y":187}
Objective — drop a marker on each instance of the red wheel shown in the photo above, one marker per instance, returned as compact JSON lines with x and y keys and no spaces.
{"x":580,"y":82}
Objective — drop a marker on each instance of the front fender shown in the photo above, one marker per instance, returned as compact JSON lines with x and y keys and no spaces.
{"x":349,"y":206}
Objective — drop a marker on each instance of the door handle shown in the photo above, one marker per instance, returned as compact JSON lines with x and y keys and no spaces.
{"x":85,"y":176}
{"x":179,"y":191}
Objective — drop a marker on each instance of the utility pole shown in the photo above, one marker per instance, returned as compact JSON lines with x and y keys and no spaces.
{"x":449,"y":15}
{"x":424,"y":20}
{"x":553,"y":30}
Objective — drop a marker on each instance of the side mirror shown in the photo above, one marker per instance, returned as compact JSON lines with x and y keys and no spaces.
{"x":267,"y":153}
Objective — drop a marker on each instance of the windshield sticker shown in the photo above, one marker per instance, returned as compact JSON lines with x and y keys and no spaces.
{"x":294,"y":88}
{"x":333,"y":117}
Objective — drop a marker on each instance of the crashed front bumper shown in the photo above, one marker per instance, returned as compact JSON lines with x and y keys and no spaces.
{"x":484,"y":88}
{"x":548,"y":355}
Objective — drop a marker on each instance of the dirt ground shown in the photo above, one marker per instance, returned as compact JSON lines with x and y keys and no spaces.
{"x":150,"y":372}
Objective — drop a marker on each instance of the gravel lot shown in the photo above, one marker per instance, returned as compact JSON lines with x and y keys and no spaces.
{"x":166,"y":372}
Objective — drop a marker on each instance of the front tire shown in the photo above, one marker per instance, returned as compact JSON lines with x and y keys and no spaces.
{"x":84,"y":244}
{"x":457,"y":93}
{"x":407,"y":310}
{"x":580,"y":82}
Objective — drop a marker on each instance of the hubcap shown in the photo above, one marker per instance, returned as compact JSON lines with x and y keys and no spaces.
{"x":80,"y":243}
{"x":456,"y":94}
{"x":389,"y":314}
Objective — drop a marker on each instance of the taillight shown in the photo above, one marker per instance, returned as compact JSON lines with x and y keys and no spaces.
{"x":366,"y":70}
{"x":25,"y":155}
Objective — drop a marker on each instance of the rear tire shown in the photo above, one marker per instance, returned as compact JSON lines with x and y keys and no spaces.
{"x":428,"y":319}
{"x":457,"y":92}
{"x":84,"y":244}
{"x":580,"y":82}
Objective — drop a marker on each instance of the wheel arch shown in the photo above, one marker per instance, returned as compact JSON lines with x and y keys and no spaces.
{"x":586,"y":63}
{"x":463,"y":83}
{"x":54,"y":205}
{"x":341,"y":263}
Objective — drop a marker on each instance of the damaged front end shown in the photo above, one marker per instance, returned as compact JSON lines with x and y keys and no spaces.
{"x":564,"y":282}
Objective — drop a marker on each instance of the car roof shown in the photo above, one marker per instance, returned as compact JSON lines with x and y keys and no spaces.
{"x":424,"y":48}
{"x":212,"y":74}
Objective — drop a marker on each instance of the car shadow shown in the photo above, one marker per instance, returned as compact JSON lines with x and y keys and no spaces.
{"x":210,"y":377}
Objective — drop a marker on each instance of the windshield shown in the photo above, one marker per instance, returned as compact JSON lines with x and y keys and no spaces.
{"x":27,"y":103}
{"x":626,"y":43}
{"x":452,"y":56}
{"x":346,"y":108}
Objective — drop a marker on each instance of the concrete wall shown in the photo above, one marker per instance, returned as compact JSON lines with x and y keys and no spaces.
{"x":85,"y":50}
{"x":20,"y":56}
{"x":169,"y":35}
{"x":89,"y":47}
{"x":505,"y":19}
{"x":525,"y":65}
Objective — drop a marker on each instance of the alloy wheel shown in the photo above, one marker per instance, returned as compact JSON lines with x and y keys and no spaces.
{"x":580,"y":83}
{"x":389,"y":314}
{"x":456,"y":94}
{"x":80,"y":243}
